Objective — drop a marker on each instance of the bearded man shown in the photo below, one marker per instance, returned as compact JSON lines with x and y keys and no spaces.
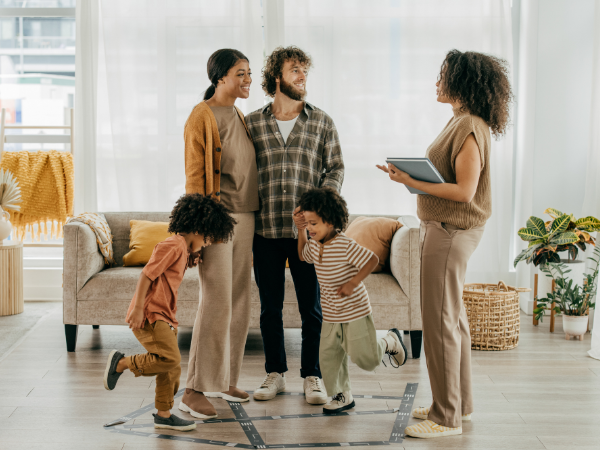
{"x":297,"y":149}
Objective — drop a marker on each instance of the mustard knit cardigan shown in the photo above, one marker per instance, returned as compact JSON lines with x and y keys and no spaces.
{"x":203,"y":152}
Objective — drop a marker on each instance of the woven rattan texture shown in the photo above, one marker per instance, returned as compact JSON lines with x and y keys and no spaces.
{"x":493,"y":313}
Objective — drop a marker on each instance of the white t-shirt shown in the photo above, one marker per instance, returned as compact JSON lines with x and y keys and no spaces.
{"x":286,"y":127}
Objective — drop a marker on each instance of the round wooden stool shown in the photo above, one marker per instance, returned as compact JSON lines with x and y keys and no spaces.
{"x":11,"y":278}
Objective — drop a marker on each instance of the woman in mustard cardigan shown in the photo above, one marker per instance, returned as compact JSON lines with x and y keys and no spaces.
{"x":220,"y":161}
{"x":453,"y":217}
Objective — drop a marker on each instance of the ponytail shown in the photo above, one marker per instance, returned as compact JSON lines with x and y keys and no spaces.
{"x":209,"y":92}
{"x":218,"y":65}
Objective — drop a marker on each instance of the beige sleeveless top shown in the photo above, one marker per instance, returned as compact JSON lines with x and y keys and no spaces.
{"x":442,"y":153}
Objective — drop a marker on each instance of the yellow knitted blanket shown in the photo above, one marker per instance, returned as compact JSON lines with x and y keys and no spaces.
{"x":46,"y":180}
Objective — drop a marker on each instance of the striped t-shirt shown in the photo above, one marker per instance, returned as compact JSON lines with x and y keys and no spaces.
{"x":337,"y":262}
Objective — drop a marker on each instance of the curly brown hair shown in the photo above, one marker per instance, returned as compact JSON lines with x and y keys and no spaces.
{"x":274,"y":66}
{"x":196,"y":213}
{"x":480,"y":83}
{"x":328,"y":204}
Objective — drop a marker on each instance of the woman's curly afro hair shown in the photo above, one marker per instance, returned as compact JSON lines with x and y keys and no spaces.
{"x":196,"y":213}
{"x":274,"y":66}
{"x":481,"y":84}
{"x":326,"y":203}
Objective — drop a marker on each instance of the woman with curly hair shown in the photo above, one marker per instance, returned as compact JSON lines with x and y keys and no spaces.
{"x":453,"y":216}
{"x":220,"y":161}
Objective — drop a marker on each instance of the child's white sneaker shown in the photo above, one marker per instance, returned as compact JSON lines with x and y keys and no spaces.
{"x":423,"y":412}
{"x":314,"y":391}
{"x":273,"y":384}
{"x":429,"y":429}
{"x":339,"y":402}
{"x":395,"y":350}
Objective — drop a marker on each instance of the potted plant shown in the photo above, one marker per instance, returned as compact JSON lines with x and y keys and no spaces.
{"x":10,"y":194}
{"x":562,"y":233}
{"x":570,"y":299}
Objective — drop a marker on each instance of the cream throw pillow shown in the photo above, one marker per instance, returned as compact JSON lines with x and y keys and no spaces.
{"x":374,"y":233}
{"x":143,"y":237}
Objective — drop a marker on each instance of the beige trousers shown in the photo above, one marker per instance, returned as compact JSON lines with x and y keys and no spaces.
{"x":357,"y":339}
{"x":445,"y":251}
{"x":223,"y":317}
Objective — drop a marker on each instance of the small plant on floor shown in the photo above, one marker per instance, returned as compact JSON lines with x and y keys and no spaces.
{"x":562,"y":233}
{"x":569,"y":298}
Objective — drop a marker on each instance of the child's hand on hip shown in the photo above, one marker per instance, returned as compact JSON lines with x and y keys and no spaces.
{"x":299,"y":219}
{"x":136,"y":319}
{"x":346,"y":289}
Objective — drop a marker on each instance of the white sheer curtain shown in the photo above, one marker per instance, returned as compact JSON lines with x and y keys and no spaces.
{"x":591,"y":202}
{"x":152,"y":71}
{"x":375,"y":68}
{"x":86,"y":84}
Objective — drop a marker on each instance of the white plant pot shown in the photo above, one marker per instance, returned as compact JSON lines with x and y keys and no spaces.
{"x":575,"y":325}
{"x":5,"y":225}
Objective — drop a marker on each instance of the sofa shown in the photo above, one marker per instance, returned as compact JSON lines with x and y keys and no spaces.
{"x":95,"y":295}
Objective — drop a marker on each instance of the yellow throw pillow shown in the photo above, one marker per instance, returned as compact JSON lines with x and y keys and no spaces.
{"x":143,"y":237}
{"x":376,"y":234}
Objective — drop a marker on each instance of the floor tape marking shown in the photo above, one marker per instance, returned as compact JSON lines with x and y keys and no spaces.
{"x":246,"y":423}
{"x":283,"y":417}
{"x":397,"y":436}
{"x":404,"y":412}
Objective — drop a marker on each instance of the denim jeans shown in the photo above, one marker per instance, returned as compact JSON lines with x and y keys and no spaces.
{"x":270,"y":256}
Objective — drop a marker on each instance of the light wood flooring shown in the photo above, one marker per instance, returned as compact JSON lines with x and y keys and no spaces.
{"x":545,"y":394}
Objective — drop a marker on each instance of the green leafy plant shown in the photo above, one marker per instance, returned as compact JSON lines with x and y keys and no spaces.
{"x":562,"y":233}
{"x":569,"y":298}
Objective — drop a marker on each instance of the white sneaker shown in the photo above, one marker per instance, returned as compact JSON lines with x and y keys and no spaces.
{"x":423,"y":412}
{"x":273,"y":384}
{"x":395,"y":350}
{"x":339,"y":402}
{"x":314,"y":391}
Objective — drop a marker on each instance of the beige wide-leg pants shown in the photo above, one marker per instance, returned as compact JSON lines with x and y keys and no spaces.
{"x":221,"y":325}
{"x":445,"y":251}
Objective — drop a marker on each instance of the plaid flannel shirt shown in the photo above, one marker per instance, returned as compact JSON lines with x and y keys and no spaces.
{"x":310,"y":158}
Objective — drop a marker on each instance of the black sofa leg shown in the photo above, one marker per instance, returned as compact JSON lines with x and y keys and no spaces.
{"x":95,"y":327}
{"x":71,"y":335}
{"x":416,"y":339}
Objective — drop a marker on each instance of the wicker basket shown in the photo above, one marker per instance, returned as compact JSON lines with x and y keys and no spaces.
{"x":493,"y":313}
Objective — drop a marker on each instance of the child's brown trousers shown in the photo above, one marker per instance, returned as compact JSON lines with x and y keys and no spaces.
{"x":163,"y":360}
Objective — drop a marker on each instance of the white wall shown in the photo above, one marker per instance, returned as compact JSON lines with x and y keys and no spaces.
{"x":555,"y":107}
{"x":563,"y":104}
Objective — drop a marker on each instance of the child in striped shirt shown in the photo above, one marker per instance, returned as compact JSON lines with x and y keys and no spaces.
{"x":341,"y":265}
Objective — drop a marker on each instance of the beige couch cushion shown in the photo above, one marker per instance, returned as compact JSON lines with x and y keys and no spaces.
{"x":118,"y":284}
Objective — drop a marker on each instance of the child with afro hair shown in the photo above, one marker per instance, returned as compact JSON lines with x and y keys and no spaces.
{"x":196,"y":222}
{"x":341,"y":265}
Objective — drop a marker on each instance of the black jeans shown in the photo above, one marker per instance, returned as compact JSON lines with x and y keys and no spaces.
{"x":269,"y":271}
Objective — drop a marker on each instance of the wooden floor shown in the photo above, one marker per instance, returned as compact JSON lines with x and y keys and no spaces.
{"x":543,"y":394}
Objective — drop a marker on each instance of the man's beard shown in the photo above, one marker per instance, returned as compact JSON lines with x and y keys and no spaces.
{"x":290,"y":90}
